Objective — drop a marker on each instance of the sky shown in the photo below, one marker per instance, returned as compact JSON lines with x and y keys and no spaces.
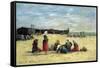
{"x":56,"y":17}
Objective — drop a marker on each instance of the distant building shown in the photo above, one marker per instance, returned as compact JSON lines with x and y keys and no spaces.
{"x":29,"y":31}
{"x":77,"y":34}
{"x":51,"y":31}
{"x":26,"y":33}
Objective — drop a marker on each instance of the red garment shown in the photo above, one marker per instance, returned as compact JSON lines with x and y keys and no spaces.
{"x":76,"y":47}
{"x":45,"y":45}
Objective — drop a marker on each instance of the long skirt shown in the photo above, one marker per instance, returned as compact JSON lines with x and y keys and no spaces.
{"x":45,"y":46}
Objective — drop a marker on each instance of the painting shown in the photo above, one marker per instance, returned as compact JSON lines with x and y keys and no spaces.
{"x":55,"y":33}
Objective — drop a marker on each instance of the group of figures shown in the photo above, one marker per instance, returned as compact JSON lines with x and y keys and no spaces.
{"x":57,"y":47}
{"x":45,"y":44}
{"x":65,"y":48}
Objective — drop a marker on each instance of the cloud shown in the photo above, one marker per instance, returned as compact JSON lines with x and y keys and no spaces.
{"x":56,"y":17}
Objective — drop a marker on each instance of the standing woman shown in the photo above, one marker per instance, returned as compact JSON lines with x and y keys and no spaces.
{"x":45,"y":43}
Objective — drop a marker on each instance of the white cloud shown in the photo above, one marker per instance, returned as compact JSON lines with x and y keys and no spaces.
{"x":70,"y":10}
{"x":52,"y":14}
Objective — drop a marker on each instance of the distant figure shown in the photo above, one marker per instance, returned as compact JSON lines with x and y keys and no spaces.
{"x":35,"y":46}
{"x":76,"y":46}
{"x":56,"y":44}
{"x":45,"y":43}
{"x":68,"y":45}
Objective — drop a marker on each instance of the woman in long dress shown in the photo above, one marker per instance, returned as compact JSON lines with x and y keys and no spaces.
{"x":45,"y":44}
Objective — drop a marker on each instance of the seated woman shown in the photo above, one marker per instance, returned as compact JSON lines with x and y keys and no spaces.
{"x":35,"y":46}
{"x":56,"y":44}
{"x":61,"y":49}
{"x":76,"y":46}
{"x":68,"y":45}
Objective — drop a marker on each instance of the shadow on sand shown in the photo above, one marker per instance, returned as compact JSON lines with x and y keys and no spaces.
{"x":29,"y":53}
